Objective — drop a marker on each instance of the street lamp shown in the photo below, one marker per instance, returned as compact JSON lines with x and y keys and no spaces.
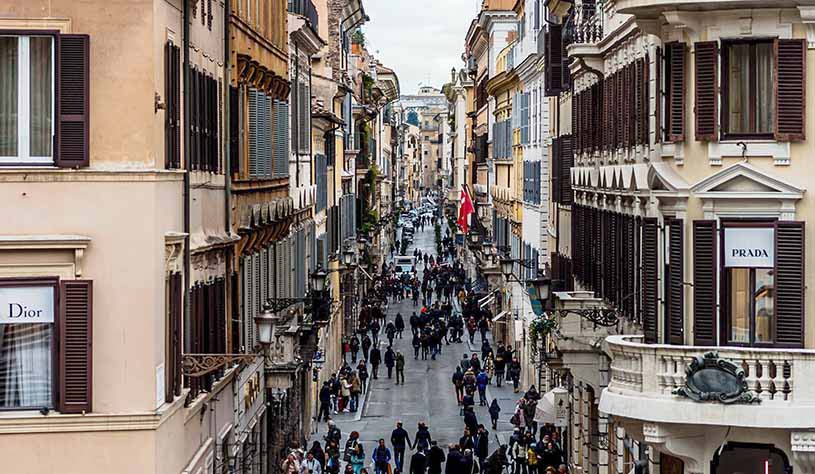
{"x":265,"y":324}
{"x":318,"y":278}
{"x":348,"y":256}
{"x":507,"y":265}
{"x":542,"y":287}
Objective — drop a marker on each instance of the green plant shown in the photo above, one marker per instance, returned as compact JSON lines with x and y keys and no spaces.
{"x":539,"y":329}
{"x":358,"y":38}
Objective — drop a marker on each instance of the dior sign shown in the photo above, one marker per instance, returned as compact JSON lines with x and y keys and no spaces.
{"x":20,"y":305}
{"x":749,"y":247}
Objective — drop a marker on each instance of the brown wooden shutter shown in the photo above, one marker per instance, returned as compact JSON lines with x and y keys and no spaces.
{"x":553,"y":60}
{"x":175,"y":314}
{"x":650,"y":270}
{"x":707,"y":90}
{"x":789,"y":283}
{"x":790,"y":90}
{"x":676,"y":299}
{"x":75,"y":346}
{"x":566,"y":159}
{"x":704,"y":283}
{"x":73,"y":124}
{"x":556,"y":157}
{"x":675,"y":104}
{"x":659,"y":95}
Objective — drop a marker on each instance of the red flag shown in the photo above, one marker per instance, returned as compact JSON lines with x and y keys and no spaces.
{"x":464,"y":210}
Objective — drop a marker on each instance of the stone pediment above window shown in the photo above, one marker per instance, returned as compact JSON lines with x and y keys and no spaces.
{"x":743,"y":190}
{"x":745,"y":181}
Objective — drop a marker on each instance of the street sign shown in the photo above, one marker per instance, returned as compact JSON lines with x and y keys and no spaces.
{"x":561,"y":408}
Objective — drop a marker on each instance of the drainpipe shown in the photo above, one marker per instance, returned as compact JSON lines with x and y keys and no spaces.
{"x":185,"y":16}
{"x":227,"y":116}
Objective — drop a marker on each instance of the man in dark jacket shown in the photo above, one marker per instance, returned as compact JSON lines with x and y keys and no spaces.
{"x":418,"y":463}
{"x":470,"y":420}
{"x":366,"y":346}
{"x":399,"y":439}
{"x":500,"y":365}
{"x":390,"y":360}
{"x":454,"y":460}
{"x":435,"y":458}
{"x":325,"y":402}
{"x":481,"y":440}
{"x":376,"y":358}
{"x":496,"y":461}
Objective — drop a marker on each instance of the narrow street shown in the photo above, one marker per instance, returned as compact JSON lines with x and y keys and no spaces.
{"x":428,"y":394}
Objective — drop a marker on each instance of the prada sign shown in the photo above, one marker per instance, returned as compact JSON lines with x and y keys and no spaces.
{"x":26,"y":304}
{"x":749,"y":247}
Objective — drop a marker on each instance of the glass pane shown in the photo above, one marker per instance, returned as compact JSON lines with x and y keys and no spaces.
{"x":739,"y":88}
{"x":8,"y":95}
{"x":764,"y":295}
{"x":740,"y":305}
{"x":41,"y":95}
{"x":25,"y":365}
{"x":765,"y":92}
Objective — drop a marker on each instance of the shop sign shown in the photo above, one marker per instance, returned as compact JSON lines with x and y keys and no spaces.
{"x":561,"y":403}
{"x":749,"y":247}
{"x":249,"y":398}
{"x":26,"y":304}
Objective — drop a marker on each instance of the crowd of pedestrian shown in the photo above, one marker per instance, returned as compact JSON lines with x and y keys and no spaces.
{"x":444,"y":313}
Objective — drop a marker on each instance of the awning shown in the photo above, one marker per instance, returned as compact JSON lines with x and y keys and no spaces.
{"x":552,"y":407}
{"x":500,"y":316}
{"x":486,"y":301}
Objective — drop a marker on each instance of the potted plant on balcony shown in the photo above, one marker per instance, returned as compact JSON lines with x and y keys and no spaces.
{"x":539,"y":329}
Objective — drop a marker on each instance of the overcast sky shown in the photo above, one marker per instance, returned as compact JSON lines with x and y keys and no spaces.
{"x":419,"y":39}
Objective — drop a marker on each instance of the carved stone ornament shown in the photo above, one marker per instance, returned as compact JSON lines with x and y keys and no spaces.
{"x":712,"y":379}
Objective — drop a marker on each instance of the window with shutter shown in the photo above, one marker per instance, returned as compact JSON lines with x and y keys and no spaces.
{"x":675,"y":327}
{"x":553,"y":60}
{"x":704,"y":283}
{"x":707,"y":90}
{"x":234,"y":130}
{"x":675,"y":54}
{"x":175,"y":312}
{"x":790,"y":92}
{"x":266,"y":159}
{"x":75,"y":348}
{"x":172,"y":115}
{"x":556,"y":173}
{"x":304,"y":118}
{"x":254,"y":125}
{"x":790,"y":278}
{"x":650,"y":271}
{"x":73,"y":127}
{"x":566,"y":163}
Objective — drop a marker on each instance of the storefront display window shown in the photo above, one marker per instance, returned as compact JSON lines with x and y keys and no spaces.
{"x":26,"y":346}
{"x":744,"y":458}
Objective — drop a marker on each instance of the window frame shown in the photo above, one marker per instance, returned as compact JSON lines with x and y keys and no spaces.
{"x":725,"y":316}
{"x":56,"y":376}
{"x":724,"y":96}
{"x":40,"y":161}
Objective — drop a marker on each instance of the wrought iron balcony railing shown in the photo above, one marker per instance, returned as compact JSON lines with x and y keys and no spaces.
{"x":307,"y":9}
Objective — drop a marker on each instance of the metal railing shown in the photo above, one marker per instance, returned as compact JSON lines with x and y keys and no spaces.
{"x":307,"y":9}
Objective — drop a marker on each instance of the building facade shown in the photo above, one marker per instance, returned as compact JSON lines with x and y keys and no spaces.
{"x":679,"y":201}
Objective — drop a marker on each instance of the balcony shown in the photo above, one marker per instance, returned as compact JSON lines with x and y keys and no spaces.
{"x":644,"y":377}
{"x":307,"y":9}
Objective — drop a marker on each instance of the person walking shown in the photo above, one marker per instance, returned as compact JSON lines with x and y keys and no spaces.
{"x":519,"y":458}
{"x":435,"y":458}
{"x":500,"y":365}
{"x":376,"y":359}
{"x":417,"y":344}
{"x":481,"y":381}
{"x":358,"y":459}
{"x":497,"y":461}
{"x":354,"y":344}
{"x":399,"y":440}
{"x":400,"y":325}
{"x":454,"y":460}
{"x":291,"y":465}
{"x":366,"y":346}
{"x":325,"y":402}
{"x":381,"y":458}
{"x":390,"y":360}
{"x":418,"y":463}
{"x":311,"y":465}
{"x":458,"y":383}
{"x":481,"y":442}
{"x":400,"y":368}
{"x":422,"y":439}
{"x":515,"y":374}
{"x":495,"y":411}
{"x":362,"y":373}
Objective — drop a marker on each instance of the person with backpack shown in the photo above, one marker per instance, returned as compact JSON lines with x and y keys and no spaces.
{"x":400,"y":368}
{"x":481,"y":381}
{"x":376,"y":359}
{"x":495,"y":411}
{"x":381,"y":458}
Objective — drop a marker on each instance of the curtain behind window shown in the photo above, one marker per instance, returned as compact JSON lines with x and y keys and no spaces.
{"x":739,"y":88}
{"x":25,"y":365}
{"x":765,"y":80}
{"x":8,"y":96}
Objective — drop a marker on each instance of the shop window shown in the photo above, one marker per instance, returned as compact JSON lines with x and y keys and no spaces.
{"x":749,"y":81}
{"x":751,"y":293}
